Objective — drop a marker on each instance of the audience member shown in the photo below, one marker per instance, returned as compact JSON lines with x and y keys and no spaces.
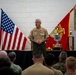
{"x":5,"y":64}
{"x":15,"y":67}
{"x":49,"y":61}
{"x":37,"y":68}
{"x":7,"y":71}
{"x":3,"y":54}
{"x":4,"y":60}
{"x":70,"y":66}
{"x":61,"y":63}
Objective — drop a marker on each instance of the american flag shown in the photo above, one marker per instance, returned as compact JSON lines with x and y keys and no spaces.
{"x":11,"y":38}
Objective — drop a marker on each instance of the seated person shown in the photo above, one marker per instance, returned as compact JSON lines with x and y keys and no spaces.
{"x":15,"y":67}
{"x":70,"y":66}
{"x":49,"y":61}
{"x":60,"y":65}
{"x":37,"y":68}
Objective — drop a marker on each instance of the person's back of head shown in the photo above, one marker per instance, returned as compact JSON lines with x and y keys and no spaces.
{"x":38,"y":56}
{"x":62,"y":56}
{"x":49,"y":59}
{"x":4,"y":59}
{"x":12,"y":56}
{"x":3,"y":54}
{"x":17,"y":69}
{"x":71,"y":63}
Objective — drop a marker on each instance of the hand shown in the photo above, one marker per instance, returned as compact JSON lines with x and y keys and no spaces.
{"x":38,"y":41}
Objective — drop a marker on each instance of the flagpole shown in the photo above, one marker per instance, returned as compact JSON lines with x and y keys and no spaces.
{"x":28,"y":41}
{"x":71,"y":10}
{"x":69,"y":26}
{"x":0,"y":17}
{"x":0,"y":28}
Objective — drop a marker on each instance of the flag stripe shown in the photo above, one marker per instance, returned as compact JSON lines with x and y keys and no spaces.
{"x":15,"y":39}
{"x":12,"y":38}
{"x":2,"y":38}
{"x":21,"y":42}
{"x":4,"y":43}
{"x":23,"y":45}
{"x":20,"y":37}
{"x":9,"y":43}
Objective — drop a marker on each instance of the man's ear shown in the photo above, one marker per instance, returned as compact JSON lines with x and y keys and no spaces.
{"x":33,"y":59}
{"x":43,"y":59}
{"x":65,"y":65}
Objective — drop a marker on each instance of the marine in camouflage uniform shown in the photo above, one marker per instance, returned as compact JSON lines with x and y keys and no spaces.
{"x":38,"y":36}
{"x":61,"y":64}
{"x":16,"y":68}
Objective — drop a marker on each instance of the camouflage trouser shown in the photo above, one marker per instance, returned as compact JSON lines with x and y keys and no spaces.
{"x":41,"y":47}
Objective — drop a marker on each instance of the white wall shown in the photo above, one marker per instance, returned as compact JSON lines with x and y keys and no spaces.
{"x":24,"y":12}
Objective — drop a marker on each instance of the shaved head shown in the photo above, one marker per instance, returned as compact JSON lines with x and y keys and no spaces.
{"x":3,"y":54}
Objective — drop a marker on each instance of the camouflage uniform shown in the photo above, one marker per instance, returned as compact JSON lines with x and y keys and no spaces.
{"x":70,"y":73}
{"x":38,"y":34}
{"x":60,"y":66}
{"x":17,"y":69}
